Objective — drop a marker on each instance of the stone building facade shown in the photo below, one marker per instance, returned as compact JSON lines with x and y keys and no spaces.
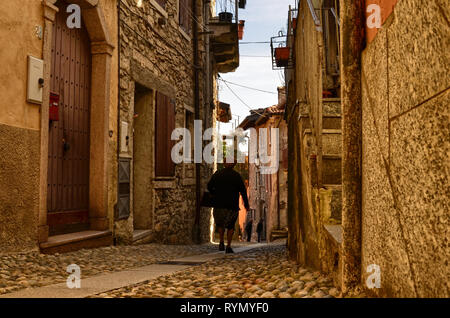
{"x":157,"y":61}
{"x":381,"y":207}
{"x":268,"y":192}
{"x":159,"y":93}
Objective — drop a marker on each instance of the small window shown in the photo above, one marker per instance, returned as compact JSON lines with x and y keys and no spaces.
{"x":184,"y":15}
{"x":162,"y":3}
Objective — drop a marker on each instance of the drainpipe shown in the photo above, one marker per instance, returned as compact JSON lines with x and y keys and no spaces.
{"x":196,"y":234}
{"x":352,"y":44}
{"x":116,"y":206}
{"x":206,"y":12}
{"x":278,"y":183}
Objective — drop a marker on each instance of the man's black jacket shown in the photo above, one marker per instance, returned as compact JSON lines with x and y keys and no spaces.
{"x":226,"y":185}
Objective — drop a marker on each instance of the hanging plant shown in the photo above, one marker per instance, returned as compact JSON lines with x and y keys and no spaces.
{"x":241,"y":29}
{"x":282,"y":56}
{"x":225,"y":16}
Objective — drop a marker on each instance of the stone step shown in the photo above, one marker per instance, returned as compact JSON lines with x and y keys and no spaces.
{"x":281,"y":232}
{"x":336,"y":201}
{"x":332,"y":107}
{"x":328,"y":122}
{"x":65,"y":243}
{"x":331,"y":140}
{"x":277,"y":234}
{"x":331,"y":169}
{"x":142,"y":236}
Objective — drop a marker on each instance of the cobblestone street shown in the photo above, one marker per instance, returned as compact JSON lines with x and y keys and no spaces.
{"x":254,"y":272}
{"x":259,"y":273}
{"x":19,"y":271}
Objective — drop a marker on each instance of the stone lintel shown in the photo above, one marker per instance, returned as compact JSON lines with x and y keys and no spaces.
{"x":85,"y":4}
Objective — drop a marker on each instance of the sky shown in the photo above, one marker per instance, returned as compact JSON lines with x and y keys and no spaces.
{"x":263,"y":20}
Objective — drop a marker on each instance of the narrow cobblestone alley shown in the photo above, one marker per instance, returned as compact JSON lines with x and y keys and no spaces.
{"x":269,"y":153}
{"x":255,"y":272}
{"x":259,"y":273}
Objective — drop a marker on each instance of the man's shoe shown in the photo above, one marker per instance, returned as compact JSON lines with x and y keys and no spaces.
{"x":229,"y":250}
{"x":221,"y":246}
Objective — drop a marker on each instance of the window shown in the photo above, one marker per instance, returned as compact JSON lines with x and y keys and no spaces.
{"x":164,"y":125}
{"x":189,"y":122}
{"x":162,"y":3}
{"x":184,"y":15}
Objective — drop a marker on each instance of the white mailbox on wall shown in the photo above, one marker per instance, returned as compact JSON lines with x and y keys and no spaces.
{"x":35,"y":80}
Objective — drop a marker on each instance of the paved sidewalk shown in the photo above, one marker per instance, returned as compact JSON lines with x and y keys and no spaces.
{"x":106,"y":282}
{"x":33,"y":269}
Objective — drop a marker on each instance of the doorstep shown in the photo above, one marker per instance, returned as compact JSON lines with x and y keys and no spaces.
{"x":139,"y":235}
{"x":75,"y":241}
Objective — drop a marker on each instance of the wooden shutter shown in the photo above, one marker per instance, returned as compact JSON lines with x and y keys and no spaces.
{"x":165,"y":124}
{"x":162,"y":3}
{"x":185,"y":15}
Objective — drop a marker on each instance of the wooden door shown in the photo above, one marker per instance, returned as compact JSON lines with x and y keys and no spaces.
{"x":68,"y":158}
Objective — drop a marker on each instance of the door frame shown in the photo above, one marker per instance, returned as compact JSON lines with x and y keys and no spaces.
{"x":101,"y":63}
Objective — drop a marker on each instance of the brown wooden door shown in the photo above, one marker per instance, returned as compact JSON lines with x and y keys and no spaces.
{"x":68,"y":158}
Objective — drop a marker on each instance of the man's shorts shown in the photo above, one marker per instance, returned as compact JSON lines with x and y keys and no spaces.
{"x":225,"y":218}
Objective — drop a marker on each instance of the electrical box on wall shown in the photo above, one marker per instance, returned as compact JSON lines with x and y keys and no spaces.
{"x":35,"y":80}
{"x":124,"y":137}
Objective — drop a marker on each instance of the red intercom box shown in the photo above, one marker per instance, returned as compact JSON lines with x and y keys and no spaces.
{"x":54,"y":107}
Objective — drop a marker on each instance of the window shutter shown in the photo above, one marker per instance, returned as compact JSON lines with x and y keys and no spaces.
{"x":162,"y":3}
{"x":188,"y":20}
{"x":165,"y":124}
{"x":185,"y":16}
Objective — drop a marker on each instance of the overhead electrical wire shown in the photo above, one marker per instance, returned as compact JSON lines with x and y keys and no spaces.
{"x":252,"y":88}
{"x":204,"y":27}
{"x":242,"y":101}
{"x":162,"y":38}
{"x":256,"y":42}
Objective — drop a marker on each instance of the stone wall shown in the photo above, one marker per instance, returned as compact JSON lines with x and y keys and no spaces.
{"x":19,"y":128}
{"x":19,"y":184}
{"x":158,"y":56}
{"x":304,"y":208}
{"x":405,"y":81}
{"x":111,"y":17}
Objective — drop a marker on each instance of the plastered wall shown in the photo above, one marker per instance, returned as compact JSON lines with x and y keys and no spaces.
{"x":405,"y":215}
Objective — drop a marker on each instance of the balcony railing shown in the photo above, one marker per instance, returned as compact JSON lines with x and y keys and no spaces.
{"x":282,"y":55}
{"x":225,"y":35}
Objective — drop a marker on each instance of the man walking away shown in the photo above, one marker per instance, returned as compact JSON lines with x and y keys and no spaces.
{"x":259,"y":229}
{"x":248,"y":230}
{"x":226,"y":185}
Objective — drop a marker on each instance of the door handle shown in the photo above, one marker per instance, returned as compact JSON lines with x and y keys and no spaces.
{"x":66,"y":145}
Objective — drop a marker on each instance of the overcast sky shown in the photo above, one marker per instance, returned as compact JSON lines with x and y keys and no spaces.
{"x":263,"y":19}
